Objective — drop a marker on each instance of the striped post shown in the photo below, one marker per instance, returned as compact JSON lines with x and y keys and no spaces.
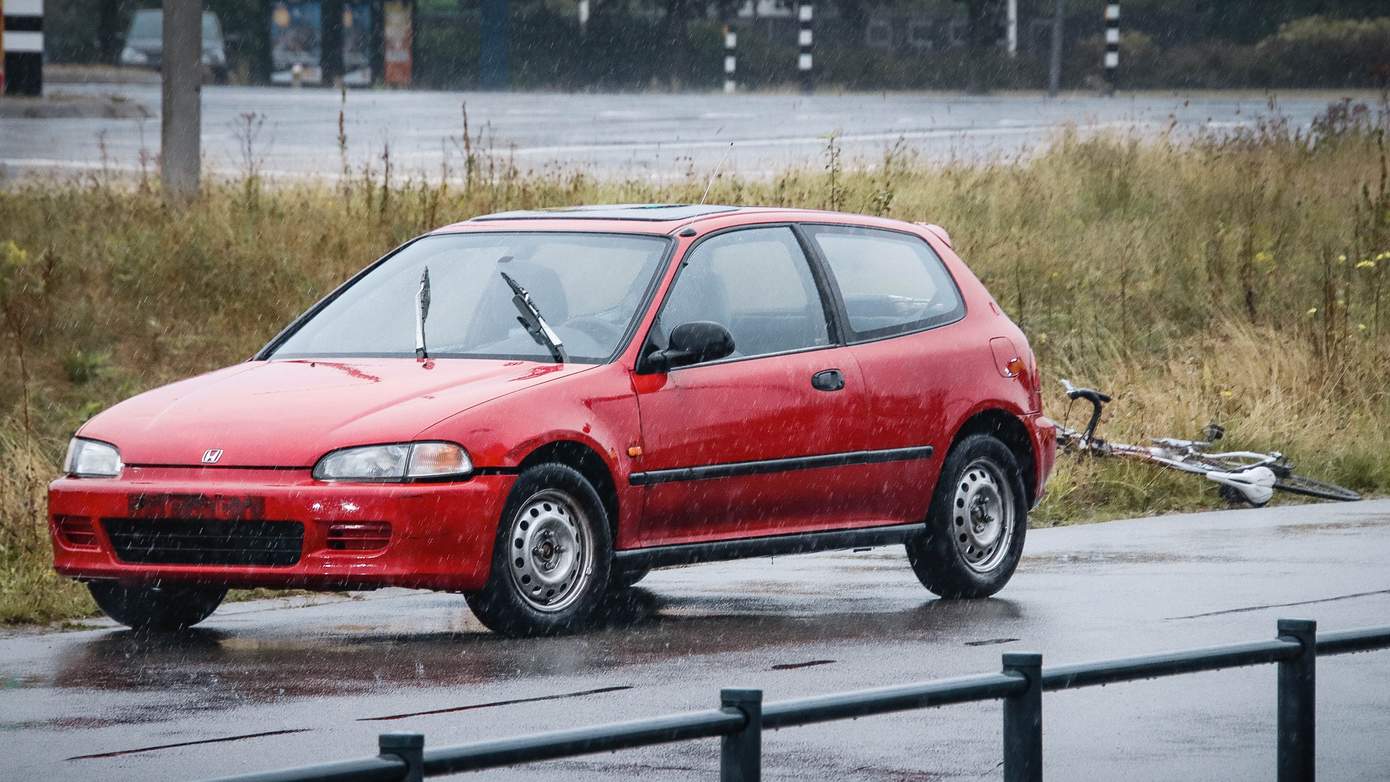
{"x":1011,"y":29}
{"x":21,"y":40}
{"x":730,"y":59}
{"x":1112,"y":44}
{"x":804,"y":45}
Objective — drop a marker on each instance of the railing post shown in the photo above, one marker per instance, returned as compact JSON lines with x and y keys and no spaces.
{"x":409,"y":747}
{"x":741,"y":753}
{"x":1023,"y":720}
{"x":1297,"y":702}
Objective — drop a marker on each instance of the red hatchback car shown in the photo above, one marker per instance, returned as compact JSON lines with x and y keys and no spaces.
{"x":536,"y":408}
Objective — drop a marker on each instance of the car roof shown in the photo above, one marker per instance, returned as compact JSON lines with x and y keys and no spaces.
{"x":659,"y":219}
{"x":656,"y":213}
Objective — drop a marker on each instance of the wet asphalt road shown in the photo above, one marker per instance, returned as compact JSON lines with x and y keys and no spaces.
{"x":645,"y":136}
{"x":317,"y":678}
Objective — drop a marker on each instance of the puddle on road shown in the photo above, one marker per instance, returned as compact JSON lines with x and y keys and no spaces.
{"x":220,"y":668}
{"x":1070,"y":560}
{"x":1336,"y":527}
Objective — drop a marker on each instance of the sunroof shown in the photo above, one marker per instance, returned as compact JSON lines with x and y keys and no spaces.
{"x":652,"y":212}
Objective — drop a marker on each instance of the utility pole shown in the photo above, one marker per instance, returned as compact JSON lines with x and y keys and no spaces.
{"x":1054,"y":69}
{"x":181,"y":118}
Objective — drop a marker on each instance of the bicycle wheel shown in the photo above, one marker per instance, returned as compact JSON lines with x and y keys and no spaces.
{"x":1297,"y":484}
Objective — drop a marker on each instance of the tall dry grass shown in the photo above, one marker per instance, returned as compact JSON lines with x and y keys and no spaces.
{"x":1239,"y":279}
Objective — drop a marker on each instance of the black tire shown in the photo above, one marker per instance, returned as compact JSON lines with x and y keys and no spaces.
{"x":566,"y":504}
{"x":1297,"y":484}
{"x":158,"y":607}
{"x":625,"y":578}
{"x":939,"y":556}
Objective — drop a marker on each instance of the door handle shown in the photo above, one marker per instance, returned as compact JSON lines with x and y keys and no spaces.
{"x":828,"y":380}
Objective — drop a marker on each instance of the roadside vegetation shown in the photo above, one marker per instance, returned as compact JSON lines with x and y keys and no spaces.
{"x":1242,"y":279}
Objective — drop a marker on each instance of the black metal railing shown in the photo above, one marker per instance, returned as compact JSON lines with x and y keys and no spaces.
{"x":741,"y":717}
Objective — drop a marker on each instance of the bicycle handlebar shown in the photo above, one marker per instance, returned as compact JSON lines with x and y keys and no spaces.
{"x":1096,"y":398}
{"x":1089,"y":394}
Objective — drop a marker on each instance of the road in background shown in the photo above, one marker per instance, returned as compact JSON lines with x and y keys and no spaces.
{"x":648,"y":136}
{"x":284,"y":682}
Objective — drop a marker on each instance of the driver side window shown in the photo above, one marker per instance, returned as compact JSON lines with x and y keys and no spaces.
{"x":757,"y":284}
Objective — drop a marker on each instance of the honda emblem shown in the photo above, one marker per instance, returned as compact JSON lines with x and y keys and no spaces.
{"x":211,"y":455}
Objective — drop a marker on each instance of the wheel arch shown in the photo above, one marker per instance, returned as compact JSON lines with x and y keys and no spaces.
{"x":589,"y":463}
{"x":1011,"y":431}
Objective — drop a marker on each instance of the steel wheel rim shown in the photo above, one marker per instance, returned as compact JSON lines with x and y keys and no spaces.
{"x":982,"y":516}
{"x":550,"y":556}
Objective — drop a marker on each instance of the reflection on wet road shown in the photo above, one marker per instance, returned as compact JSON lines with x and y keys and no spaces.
{"x":280,"y":682}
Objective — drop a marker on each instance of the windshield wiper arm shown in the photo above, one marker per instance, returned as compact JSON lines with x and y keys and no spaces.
{"x":534,"y":323}
{"x":422,"y":311}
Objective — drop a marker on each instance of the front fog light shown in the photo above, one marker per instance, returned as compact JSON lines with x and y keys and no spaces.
{"x":92,"y":459}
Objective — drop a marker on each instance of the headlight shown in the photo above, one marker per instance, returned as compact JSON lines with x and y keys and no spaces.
{"x":399,"y":462}
{"x":131,"y":56}
{"x":92,"y":459}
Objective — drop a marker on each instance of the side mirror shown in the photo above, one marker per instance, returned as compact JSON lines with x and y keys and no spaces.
{"x":692,"y":343}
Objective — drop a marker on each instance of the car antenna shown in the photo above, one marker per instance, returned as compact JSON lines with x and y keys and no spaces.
{"x":422,"y":311}
{"x":715,"y":174}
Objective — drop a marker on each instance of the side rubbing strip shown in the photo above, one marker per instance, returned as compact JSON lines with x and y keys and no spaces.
{"x":734,"y":469}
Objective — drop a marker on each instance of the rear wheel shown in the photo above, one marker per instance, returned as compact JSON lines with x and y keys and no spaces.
{"x":976,"y":524}
{"x":551,"y":557}
{"x":161,"y":607}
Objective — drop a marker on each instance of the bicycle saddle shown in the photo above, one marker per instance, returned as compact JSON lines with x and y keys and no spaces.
{"x":1255,"y":484}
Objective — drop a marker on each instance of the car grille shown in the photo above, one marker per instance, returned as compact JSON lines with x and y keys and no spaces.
{"x":206,"y":542}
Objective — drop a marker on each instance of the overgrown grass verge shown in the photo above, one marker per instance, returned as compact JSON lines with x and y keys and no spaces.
{"x":1240,"y":279}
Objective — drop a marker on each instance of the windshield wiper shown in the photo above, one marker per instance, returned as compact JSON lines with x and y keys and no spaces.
{"x":422,"y":311}
{"x":534,"y":323}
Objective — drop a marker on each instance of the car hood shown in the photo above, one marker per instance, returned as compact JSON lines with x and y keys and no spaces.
{"x":288,"y":413}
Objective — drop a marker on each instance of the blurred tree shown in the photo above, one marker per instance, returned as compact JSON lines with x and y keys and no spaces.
{"x":984,"y":28}
{"x":111,"y":26}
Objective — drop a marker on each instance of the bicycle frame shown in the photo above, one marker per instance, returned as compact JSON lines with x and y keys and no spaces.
{"x":1250,"y":474}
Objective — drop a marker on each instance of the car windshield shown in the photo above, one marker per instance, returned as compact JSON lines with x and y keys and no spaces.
{"x":149,"y":24}
{"x":587,"y":286}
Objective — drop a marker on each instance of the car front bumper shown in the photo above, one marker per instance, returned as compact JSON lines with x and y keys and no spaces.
{"x":440,"y":535}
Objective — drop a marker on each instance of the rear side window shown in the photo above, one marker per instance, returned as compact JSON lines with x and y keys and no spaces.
{"x":891,"y":283}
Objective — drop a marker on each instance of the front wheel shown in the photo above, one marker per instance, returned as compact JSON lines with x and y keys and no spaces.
{"x":551,"y":557}
{"x":976,"y":524}
{"x":160,"y":607}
